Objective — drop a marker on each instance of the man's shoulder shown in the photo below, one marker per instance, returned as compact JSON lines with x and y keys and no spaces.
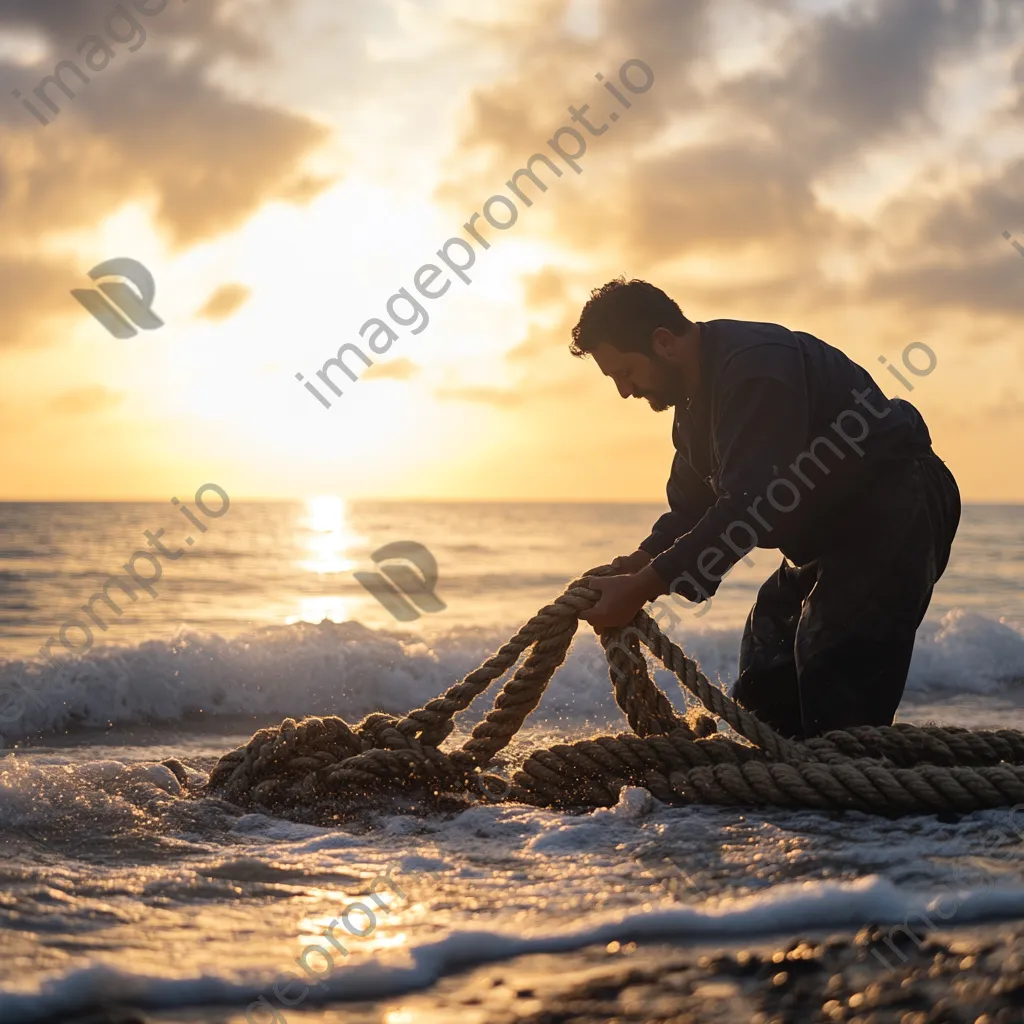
{"x":748,"y":333}
{"x":750,"y":348}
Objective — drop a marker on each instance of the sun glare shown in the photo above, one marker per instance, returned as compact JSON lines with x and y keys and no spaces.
{"x":330,"y":539}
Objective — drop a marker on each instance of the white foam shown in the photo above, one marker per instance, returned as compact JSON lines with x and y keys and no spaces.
{"x":787,"y":909}
{"x":90,"y":794}
{"x":966,"y":652}
{"x":351,"y":670}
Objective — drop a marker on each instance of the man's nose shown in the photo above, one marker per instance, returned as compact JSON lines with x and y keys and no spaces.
{"x":625,"y":390}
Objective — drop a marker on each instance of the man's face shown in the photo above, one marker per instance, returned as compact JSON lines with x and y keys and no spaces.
{"x":640,"y":376}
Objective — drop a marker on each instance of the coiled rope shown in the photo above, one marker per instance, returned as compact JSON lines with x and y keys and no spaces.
{"x":323,"y":770}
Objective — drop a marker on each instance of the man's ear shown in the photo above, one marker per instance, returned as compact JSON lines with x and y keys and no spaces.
{"x":663,"y":341}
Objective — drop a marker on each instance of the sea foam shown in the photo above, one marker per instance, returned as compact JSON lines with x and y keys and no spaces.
{"x":351,"y":670}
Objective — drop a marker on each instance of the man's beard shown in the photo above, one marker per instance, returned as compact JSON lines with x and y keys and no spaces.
{"x":672,"y":389}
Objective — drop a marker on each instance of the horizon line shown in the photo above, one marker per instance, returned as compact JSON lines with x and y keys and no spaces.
{"x":1008,"y":502}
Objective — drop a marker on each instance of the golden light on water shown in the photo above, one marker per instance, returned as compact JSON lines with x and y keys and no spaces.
{"x":332,"y":607}
{"x":367,"y":935}
{"x":330,"y":538}
{"x":328,"y":542}
{"x":391,"y":941}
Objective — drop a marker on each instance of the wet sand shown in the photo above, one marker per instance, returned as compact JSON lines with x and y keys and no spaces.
{"x":959,"y":976}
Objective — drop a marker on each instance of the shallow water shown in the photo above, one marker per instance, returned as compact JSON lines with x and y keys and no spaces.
{"x":117,"y":884}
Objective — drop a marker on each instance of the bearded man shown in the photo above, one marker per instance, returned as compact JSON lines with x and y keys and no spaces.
{"x":781,"y":441}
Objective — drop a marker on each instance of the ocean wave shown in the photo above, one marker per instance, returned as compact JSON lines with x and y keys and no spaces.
{"x":351,"y":670}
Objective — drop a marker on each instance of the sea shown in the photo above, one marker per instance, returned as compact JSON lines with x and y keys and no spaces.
{"x":118,"y":888}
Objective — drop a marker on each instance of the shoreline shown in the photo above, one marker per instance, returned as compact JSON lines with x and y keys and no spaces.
{"x":969,"y":974}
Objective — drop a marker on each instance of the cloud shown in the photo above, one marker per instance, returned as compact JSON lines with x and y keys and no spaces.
{"x":548,"y":286}
{"x":993,"y":287}
{"x":1005,"y":412}
{"x":947,"y":249}
{"x":157,"y":127}
{"x":157,"y":132}
{"x":549,"y":344}
{"x":33,"y":294}
{"x":393,"y":369}
{"x":225,"y":301}
{"x":214,"y":28}
{"x":718,"y":198}
{"x":512,"y":117}
{"x":841,"y":83}
{"x":870,"y":72}
{"x":81,"y":401}
{"x":960,"y":220}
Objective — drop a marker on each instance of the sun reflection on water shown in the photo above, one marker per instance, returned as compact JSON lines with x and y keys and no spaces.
{"x":332,"y":607}
{"x":328,"y":541}
{"x":330,"y":538}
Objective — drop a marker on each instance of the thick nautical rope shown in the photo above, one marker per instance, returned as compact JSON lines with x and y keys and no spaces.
{"x":322,"y":769}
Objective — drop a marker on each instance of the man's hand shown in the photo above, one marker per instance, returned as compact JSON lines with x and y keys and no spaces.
{"x":621,"y":597}
{"x":631,"y":563}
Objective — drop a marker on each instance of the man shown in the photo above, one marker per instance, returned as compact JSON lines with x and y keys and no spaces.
{"x":782,"y":442}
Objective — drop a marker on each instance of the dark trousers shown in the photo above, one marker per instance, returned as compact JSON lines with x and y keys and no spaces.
{"x":827,"y":644}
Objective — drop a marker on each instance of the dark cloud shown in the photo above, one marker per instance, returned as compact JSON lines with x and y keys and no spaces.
{"x":991,"y":287}
{"x":720,"y":198}
{"x":966,"y":221}
{"x":948,"y":249}
{"x":215,"y":27}
{"x":668,"y":35}
{"x":156,"y":131}
{"x":745,"y":179}
{"x":1016,"y":108}
{"x":851,"y":79}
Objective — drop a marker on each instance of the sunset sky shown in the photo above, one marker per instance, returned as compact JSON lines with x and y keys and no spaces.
{"x":283,"y":167}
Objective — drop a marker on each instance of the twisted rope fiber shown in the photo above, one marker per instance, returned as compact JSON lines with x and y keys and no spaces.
{"x":324,"y":770}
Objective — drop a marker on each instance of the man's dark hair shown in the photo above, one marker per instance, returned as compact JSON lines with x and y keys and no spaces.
{"x":625,"y":314}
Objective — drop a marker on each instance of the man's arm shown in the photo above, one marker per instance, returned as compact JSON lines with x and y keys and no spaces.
{"x":689,"y":498}
{"x":761,"y":429}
